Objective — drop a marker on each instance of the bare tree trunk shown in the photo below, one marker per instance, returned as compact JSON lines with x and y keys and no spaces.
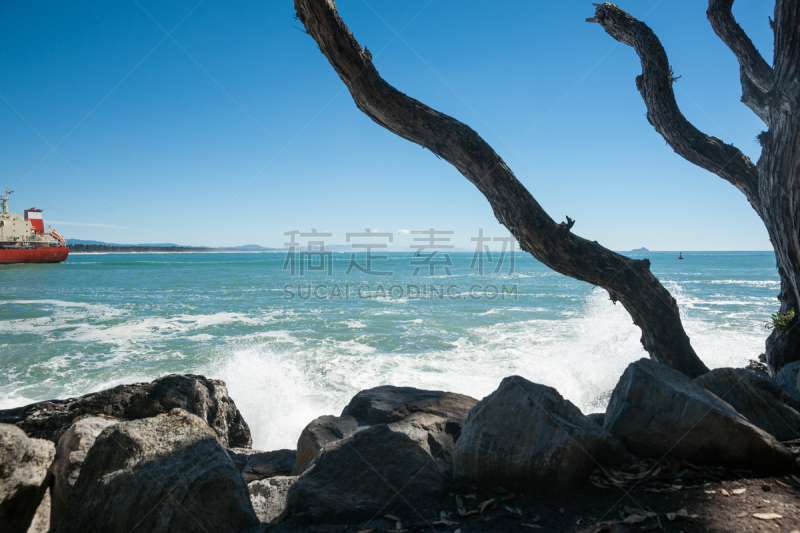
{"x":771,"y":186}
{"x":627,"y":280}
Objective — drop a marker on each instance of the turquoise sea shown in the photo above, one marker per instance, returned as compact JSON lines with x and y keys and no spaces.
{"x":289,"y":353}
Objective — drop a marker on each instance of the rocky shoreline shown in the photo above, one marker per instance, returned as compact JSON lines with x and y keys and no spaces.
{"x":175,"y":455}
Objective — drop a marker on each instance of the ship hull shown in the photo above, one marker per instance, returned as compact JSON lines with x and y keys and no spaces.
{"x":39,"y":254}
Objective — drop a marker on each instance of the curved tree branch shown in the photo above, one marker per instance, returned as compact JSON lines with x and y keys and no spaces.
{"x":754,"y":98}
{"x":630,"y":281}
{"x":655,"y":85}
{"x":726,"y":27}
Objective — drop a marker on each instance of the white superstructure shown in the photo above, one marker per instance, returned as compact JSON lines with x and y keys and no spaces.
{"x":28,"y":231}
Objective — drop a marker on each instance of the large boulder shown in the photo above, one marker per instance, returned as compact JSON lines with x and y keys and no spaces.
{"x":375,"y":470}
{"x":433,"y":419}
{"x":268,"y":496}
{"x":206,"y":398}
{"x":322,"y":431}
{"x":23,"y":477}
{"x":757,"y":398}
{"x":788,"y":379}
{"x":71,"y":452}
{"x":527,"y":436}
{"x":657,"y":411}
{"x":162,"y":474}
{"x":254,"y":464}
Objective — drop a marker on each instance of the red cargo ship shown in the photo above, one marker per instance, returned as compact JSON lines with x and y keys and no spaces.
{"x":24,"y":240}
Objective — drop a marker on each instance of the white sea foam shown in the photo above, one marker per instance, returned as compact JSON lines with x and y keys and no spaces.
{"x":84,"y":328}
{"x":280,"y":388}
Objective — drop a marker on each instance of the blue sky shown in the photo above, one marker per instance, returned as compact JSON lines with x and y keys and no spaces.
{"x":235,"y":128}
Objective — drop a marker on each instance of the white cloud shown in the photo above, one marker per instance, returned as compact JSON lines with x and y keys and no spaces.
{"x":404,"y":232}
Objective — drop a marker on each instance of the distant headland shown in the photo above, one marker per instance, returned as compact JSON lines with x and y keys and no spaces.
{"x":642,"y":249}
{"x":79,"y":246}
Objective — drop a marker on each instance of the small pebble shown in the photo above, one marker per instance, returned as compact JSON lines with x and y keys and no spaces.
{"x":766,"y":488}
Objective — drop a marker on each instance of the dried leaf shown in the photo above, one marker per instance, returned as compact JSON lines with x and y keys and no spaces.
{"x":470,"y":513}
{"x":391,"y":517}
{"x":683,"y":513}
{"x":782,"y":484}
{"x":767,"y":516}
{"x":656,"y":471}
{"x":742,"y":514}
{"x":473,"y":496}
{"x":634,"y":519}
{"x":597,"y":483}
{"x":724,"y":492}
{"x":508,"y":496}
{"x":672,"y":516}
{"x":532,"y":526}
{"x":461,"y":511}
{"x":459,"y":502}
{"x":516,"y":511}
{"x":488,"y":503}
{"x":739,"y":491}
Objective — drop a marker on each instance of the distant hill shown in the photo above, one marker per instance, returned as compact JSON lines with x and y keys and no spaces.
{"x":100,"y":243}
{"x":83,"y":246}
{"x":642,"y":249}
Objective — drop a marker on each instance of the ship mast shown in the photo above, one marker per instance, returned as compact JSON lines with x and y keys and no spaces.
{"x":5,"y":200}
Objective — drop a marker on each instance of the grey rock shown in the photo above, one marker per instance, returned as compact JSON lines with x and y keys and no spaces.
{"x":657,"y":411}
{"x":70,"y":455}
{"x":388,"y":404}
{"x":254,"y":464}
{"x":758,"y":367}
{"x":206,"y":398}
{"x":162,"y":474}
{"x":783,"y":345}
{"x":597,"y":418}
{"x":526,"y":436}
{"x":756,"y":397}
{"x":431,"y":418}
{"x":788,"y":378}
{"x":23,"y":477}
{"x":356,"y":477}
{"x":41,"y":519}
{"x":322,"y":431}
{"x":268,"y":496}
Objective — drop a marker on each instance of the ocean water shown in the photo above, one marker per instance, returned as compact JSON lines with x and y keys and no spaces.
{"x":289,"y":353}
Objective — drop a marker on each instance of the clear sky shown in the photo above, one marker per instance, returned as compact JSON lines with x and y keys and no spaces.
{"x":234,"y":128}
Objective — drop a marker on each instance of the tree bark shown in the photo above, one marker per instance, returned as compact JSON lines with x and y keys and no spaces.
{"x":773,"y":93}
{"x":628,"y":281}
